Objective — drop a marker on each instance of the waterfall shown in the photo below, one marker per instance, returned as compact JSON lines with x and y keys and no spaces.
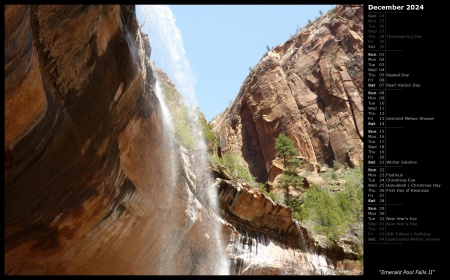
{"x":255,"y":253}
{"x":166,"y":42}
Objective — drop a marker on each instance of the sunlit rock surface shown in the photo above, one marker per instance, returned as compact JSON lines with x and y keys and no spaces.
{"x":265,"y":239}
{"x":86,"y":171}
{"x":309,"y":88}
{"x":86,"y":187}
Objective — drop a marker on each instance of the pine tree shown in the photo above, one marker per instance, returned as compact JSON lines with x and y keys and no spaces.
{"x":286,"y":149}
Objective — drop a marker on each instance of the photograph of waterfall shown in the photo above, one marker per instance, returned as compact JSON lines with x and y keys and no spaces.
{"x":184,"y":139}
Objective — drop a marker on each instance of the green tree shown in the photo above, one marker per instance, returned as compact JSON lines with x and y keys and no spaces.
{"x":286,"y":149}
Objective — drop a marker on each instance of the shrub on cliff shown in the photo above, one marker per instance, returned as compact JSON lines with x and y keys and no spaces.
{"x":180,"y":115}
{"x":234,"y":165}
{"x":210,"y":137}
{"x":333,"y":213}
{"x":322,"y":208}
{"x":182,"y":122}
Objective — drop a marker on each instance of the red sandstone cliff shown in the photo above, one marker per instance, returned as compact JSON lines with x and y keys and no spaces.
{"x":85,"y":171}
{"x":86,"y":168}
{"x":309,"y":88}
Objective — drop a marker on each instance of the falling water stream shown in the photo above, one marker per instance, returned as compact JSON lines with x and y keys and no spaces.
{"x":248,"y":252}
{"x":165,"y":38}
{"x":254,"y":253}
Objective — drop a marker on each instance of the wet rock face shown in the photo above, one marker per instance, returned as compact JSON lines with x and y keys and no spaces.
{"x":83,"y":144}
{"x":309,"y":88}
{"x":86,"y":161}
{"x":63,"y":174}
{"x":264,"y":239}
{"x":25,"y":100}
{"x":253,"y":207}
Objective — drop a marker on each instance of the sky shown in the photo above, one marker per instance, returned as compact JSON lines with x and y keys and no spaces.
{"x":212,"y":47}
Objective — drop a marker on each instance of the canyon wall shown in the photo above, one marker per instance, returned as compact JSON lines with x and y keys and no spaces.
{"x":309,"y":88}
{"x":85,"y":157}
{"x":87,"y":174}
{"x":264,"y":239}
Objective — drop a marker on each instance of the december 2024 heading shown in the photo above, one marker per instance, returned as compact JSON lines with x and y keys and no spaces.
{"x":395,"y":7}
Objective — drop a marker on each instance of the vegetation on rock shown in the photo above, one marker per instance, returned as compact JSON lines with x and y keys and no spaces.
{"x":235,"y":166}
{"x":211,"y":140}
{"x":286,"y":149}
{"x":334,"y":211}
